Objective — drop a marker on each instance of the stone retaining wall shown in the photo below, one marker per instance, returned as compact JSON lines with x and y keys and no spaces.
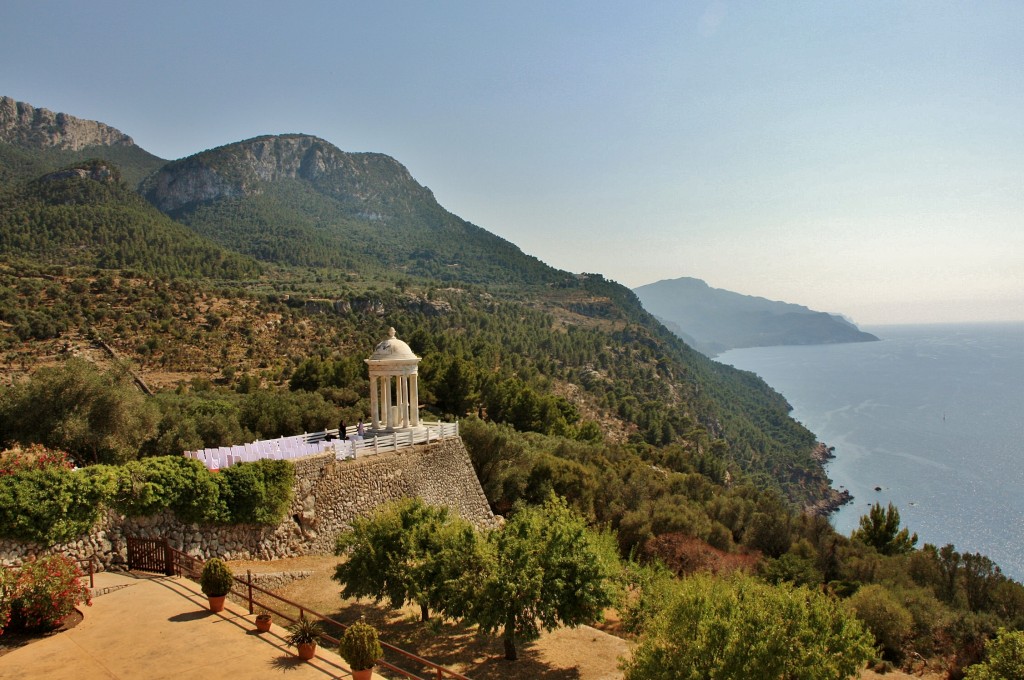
{"x":329,"y":494}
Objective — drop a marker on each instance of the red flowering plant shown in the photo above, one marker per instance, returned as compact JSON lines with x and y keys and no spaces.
{"x":7,"y":581}
{"x":46,"y":591}
{"x":34,"y":457}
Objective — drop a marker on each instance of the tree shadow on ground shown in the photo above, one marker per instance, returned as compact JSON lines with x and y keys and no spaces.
{"x":450,"y":644}
{"x":190,"y":616}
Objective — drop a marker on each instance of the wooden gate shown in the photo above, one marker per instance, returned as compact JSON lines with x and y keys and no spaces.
{"x":150,"y":554}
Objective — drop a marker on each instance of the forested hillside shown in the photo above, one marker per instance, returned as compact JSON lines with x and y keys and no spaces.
{"x":353,"y":244}
{"x":85,"y":215}
{"x":563,"y":382}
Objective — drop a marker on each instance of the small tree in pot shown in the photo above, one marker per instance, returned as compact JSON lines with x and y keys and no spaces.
{"x":216,"y":580}
{"x":361,"y":648}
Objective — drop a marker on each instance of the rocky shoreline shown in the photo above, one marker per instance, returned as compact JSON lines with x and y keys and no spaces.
{"x":834,"y":498}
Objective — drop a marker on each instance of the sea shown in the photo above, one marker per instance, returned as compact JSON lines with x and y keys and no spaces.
{"x":930,"y":418}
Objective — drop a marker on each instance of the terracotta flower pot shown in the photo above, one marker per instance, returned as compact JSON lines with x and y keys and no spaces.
{"x":263,"y":622}
{"x":307,"y":650}
{"x":216,"y":603}
{"x":365,"y":674}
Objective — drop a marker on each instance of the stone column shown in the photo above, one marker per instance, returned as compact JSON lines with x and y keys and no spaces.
{"x":387,"y":403}
{"x":374,"y":402}
{"x":414,"y":392}
{"x":404,"y":379}
{"x":398,"y":401}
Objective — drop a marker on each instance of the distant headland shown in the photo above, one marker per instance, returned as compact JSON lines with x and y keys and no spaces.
{"x":712,"y":320}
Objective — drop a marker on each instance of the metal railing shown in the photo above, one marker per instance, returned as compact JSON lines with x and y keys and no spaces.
{"x":244,"y":588}
{"x":91,"y":559}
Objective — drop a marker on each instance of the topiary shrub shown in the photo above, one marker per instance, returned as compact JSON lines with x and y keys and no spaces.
{"x":360,"y":646}
{"x":216,"y":578}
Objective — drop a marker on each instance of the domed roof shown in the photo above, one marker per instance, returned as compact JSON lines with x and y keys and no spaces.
{"x":392,"y":349}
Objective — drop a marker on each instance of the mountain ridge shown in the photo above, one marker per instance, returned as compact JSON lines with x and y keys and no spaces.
{"x":338,"y":209}
{"x":28,"y":126}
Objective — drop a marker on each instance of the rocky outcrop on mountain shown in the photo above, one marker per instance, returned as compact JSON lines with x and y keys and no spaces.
{"x":24,"y":125}
{"x":97,"y":172}
{"x":243,"y":168}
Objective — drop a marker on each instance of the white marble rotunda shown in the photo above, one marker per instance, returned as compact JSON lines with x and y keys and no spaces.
{"x":394,"y":385}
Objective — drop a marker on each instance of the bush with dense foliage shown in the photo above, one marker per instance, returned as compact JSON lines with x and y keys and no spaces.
{"x":886,"y":618}
{"x":257,"y":493}
{"x":55,"y":504}
{"x":1004,"y":658}
{"x":41,"y":594}
{"x":740,"y":628}
{"x":50,"y":504}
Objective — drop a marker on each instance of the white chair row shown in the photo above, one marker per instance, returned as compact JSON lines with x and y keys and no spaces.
{"x":285,"y":448}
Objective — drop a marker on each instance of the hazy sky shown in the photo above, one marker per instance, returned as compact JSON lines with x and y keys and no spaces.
{"x":856,"y":157}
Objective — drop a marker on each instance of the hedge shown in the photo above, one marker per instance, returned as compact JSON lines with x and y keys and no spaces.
{"x":54,"y":504}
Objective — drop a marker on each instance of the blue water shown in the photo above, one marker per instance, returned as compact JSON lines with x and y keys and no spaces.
{"x":934,"y":415}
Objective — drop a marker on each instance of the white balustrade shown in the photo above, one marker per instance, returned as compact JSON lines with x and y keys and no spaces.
{"x":317,"y":443}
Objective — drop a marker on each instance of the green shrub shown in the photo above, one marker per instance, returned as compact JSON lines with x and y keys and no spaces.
{"x":360,"y":647}
{"x":885,"y":617}
{"x":49,"y":505}
{"x":1004,"y":658}
{"x":216,"y":578}
{"x":181,"y":484}
{"x":259,"y":492}
{"x":54,"y":504}
{"x":741,"y":628}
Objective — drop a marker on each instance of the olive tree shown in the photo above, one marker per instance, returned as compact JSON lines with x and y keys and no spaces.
{"x":96,"y":416}
{"x":545,"y":569}
{"x":408,"y":551}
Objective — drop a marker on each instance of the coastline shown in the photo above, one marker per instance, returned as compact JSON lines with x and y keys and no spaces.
{"x":834,"y":498}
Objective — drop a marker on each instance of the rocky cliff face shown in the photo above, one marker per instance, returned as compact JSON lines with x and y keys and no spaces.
{"x":24,"y":125}
{"x":240,"y":169}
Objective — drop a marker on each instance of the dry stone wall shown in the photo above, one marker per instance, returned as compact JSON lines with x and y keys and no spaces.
{"x":329,"y":494}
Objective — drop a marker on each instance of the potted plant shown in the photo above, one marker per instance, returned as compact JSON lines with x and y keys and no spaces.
{"x":263,"y":620}
{"x":304,"y":634}
{"x":216,"y":580}
{"x":361,"y":648}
